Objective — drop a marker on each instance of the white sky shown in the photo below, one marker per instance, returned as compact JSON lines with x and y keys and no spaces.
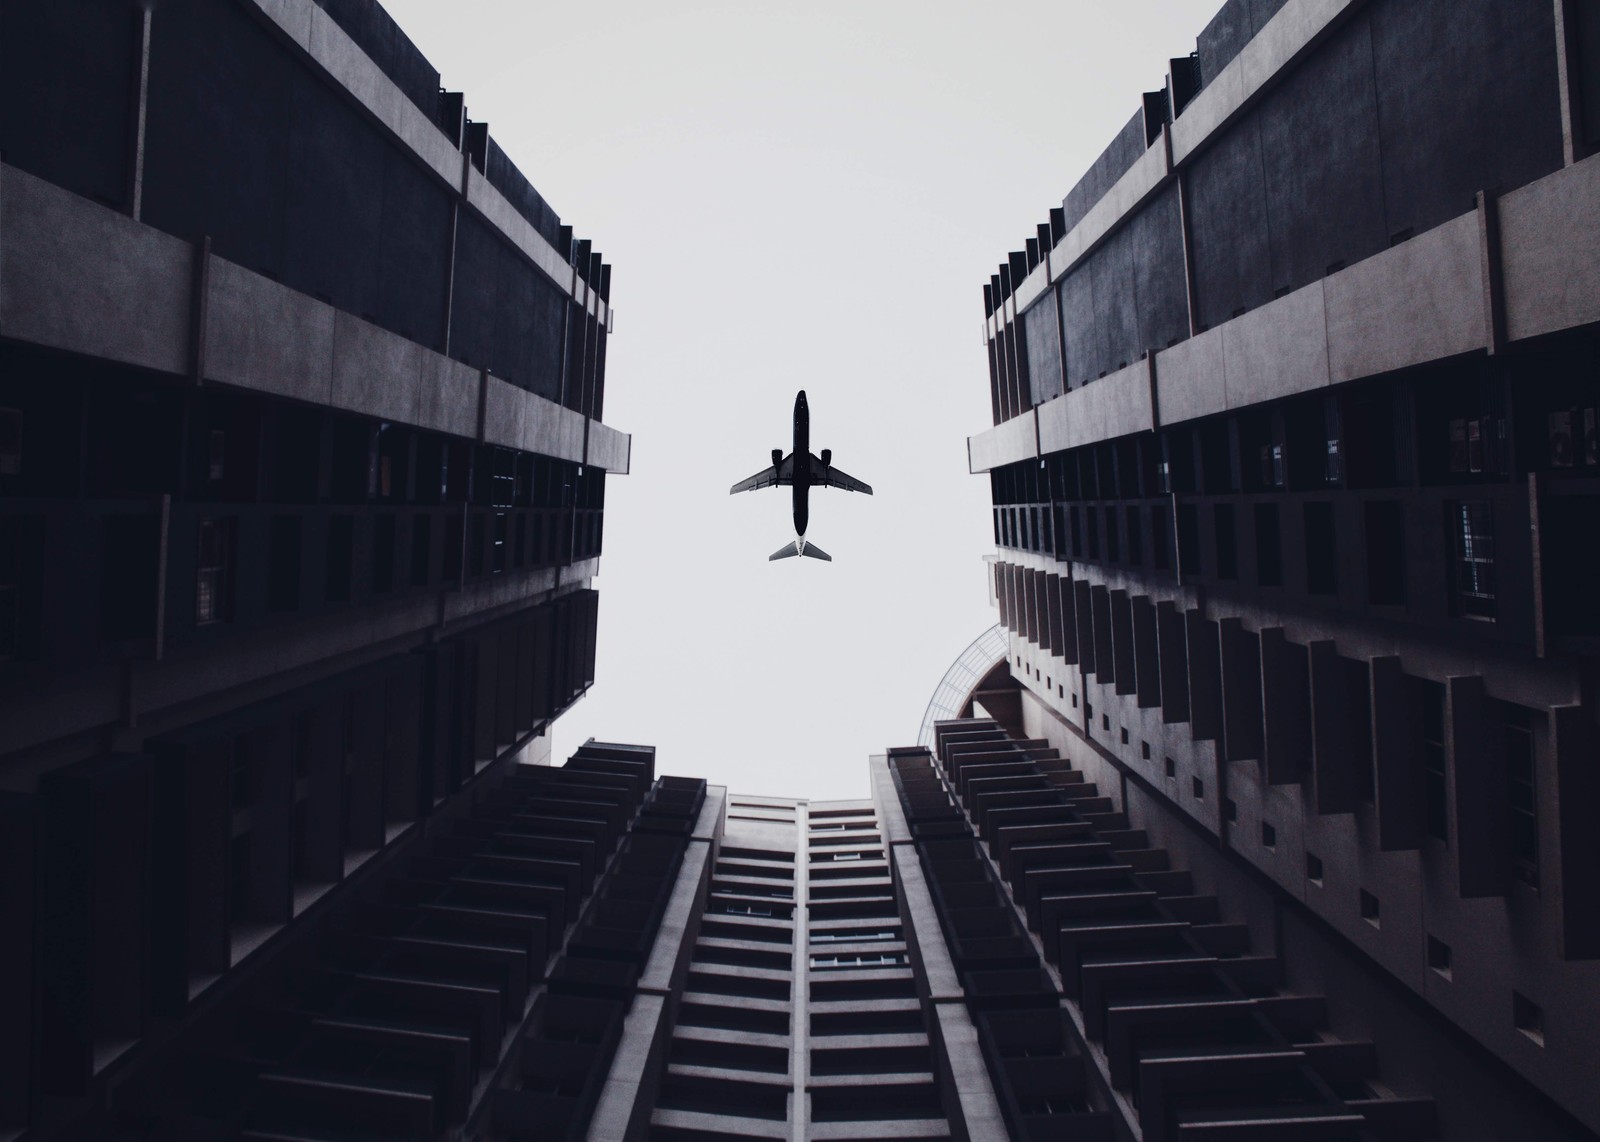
{"x":795,"y":196}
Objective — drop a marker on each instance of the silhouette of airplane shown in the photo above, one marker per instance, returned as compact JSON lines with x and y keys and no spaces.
{"x":804,"y":471}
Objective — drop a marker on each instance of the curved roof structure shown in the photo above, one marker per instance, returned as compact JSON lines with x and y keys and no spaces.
{"x":958,"y":683}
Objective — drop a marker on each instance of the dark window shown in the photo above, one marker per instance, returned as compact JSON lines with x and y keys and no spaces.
{"x":1269,"y":546}
{"x":383,"y":553}
{"x":216,"y":454}
{"x":341,"y":551}
{"x":477,"y":536}
{"x":1528,"y":1017}
{"x":1269,"y":835}
{"x":1199,"y":789}
{"x":1189,"y":542}
{"x":497,"y":561}
{"x":10,"y":589}
{"x":1386,"y":553}
{"x":1135,"y":539}
{"x":1322,"y":551}
{"x":283,"y":563}
{"x":1091,"y":521}
{"x":1439,"y":956}
{"x":1160,"y":542}
{"x":1428,"y":710}
{"x":1076,"y":516}
{"x":239,"y":879}
{"x":1522,"y":809}
{"x":1471,"y":526}
{"x":1113,"y":537}
{"x":10,"y":442}
{"x":1314,"y":868}
{"x":213,"y":571}
{"x":1369,"y":907}
{"x":1586,"y":37}
{"x":1227,"y":543}
{"x":421,"y":549}
{"x":1230,"y":809}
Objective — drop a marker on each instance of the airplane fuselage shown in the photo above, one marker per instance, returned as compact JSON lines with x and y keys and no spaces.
{"x":802,"y":464}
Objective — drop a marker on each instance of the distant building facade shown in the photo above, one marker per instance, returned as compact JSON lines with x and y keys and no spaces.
{"x":302,"y":474}
{"x":1295,"y":481}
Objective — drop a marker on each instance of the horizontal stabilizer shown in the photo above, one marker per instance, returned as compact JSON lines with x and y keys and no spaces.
{"x":800,"y":547}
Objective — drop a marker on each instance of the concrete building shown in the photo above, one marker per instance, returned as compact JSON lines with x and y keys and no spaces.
{"x":302,"y":475}
{"x":1295,"y":485}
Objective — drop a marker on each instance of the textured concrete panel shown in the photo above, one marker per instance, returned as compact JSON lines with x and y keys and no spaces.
{"x":1277,"y":350}
{"x":75,"y":275}
{"x":556,"y":431}
{"x":1003,"y":444}
{"x":1550,"y":232}
{"x":498,"y":210}
{"x":1297,"y":23}
{"x":1189,"y":379}
{"x":1417,"y":302}
{"x":447,"y":395}
{"x":1142,"y":180}
{"x":610,"y":449}
{"x":266,"y":336}
{"x":375,"y":372}
{"x":1113,"y":406}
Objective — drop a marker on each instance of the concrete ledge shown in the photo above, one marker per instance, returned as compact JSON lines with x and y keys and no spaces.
{"x":1141,"y":180}
{"x":74,"y":274}
{"x":1295,"y":27}
{"x":1189,"y":378}
{"x":1005,"y":443}
{"x":1113,"y":406}
{"x":1420,"y":301}
{"x":77,"y":276}
{"x":1550,"y":232}
{"x":1277,"y":350}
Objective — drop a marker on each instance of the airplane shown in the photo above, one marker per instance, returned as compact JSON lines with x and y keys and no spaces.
{"x":804,"y":471}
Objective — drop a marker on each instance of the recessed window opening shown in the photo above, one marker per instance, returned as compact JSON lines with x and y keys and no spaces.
{"x":1314,"y":869}
{"x":1439,"y":956}
{"x":1199,"y":790}
{"x":1528,"y":1017}
{"x":1368,"y":904}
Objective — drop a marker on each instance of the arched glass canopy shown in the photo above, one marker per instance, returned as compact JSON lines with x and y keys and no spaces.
{"x":958,"y":683}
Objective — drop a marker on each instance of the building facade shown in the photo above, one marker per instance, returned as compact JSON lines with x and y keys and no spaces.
{"x":1295,"y":480}
{"x":302,"y":475}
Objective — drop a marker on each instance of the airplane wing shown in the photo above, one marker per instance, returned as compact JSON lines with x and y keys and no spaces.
{"x":825,"y":474}
{"x":778,"y":474}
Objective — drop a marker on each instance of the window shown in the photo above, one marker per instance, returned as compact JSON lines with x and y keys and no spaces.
{"x":1230,"y":809}
{"x":10,"y":589}
{"x":383,"y":530}
{"x":1528,"y":1017}
{"x":1124,"y":730}
{"x":497,"y":557}
{"x":1521,"y":808}
{"x":421,"y":549}
{"x":1269,"y":836}
{"x":10,"y":442}
{"x":1199,"y":789}
{"x":1269,"y":546}
{"x":1386,"y":553}
{"x":1160,"y":522}
{"x":1471,"y":529}
{"x":1135,"y":540}
{"x":1322,"y":551}
{"x":217,"y":451}
{"x":341,"y":550}
{"x":212,"y":567}
{"x":1369,"y":907}
{"x":1428,"y":710}
{"x":1314,"y":869}
{"x":283,"y":563}
{"x":1189,"y":541}
{"x":1439,"y":956}
{"x":1227,"y":543}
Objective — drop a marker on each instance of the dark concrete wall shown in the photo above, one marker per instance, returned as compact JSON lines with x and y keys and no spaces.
{"x":1389,"y":128}
{"x":1112,"y":164}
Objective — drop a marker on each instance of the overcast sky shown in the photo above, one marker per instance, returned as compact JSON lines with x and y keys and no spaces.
{"x":795,"y":196}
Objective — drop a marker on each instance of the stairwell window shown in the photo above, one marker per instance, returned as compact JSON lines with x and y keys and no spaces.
{"x":213,"y":567}
{"x":1470,"y":525}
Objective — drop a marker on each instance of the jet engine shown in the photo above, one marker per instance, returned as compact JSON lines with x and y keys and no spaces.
{"x":777,"y":457}
{"x":827,"y":457}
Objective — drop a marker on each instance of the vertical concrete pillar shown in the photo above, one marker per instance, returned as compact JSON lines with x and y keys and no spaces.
{"x":1146,"y":652}
{"x":1001,"y":596}
{"x":1286,"y":708}
{"x":321,"y":741}
{"x":1041,"y":610}
{"x":1241,"y":691}
{"x":1397,"y":769}
{"x":1050,"y":592}
{"x":1575,"y":758}
{"x":1476,"y":771}
{"x":1172,"y":641}
{"x":1083,"y":606}
{"x":1333,"y":762}
{"x":1104,"y":654}
{"x":1122,"y":642}
{"x":1205,"y":676}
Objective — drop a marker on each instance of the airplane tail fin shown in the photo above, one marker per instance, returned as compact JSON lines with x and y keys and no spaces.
{"x":798,"y":547}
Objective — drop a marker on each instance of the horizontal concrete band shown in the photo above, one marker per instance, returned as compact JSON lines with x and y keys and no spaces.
{"x":77,"y":276}
{"x":1420,"y":301}
{"x":308,"y":26}
{"x":1292,"y":30}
